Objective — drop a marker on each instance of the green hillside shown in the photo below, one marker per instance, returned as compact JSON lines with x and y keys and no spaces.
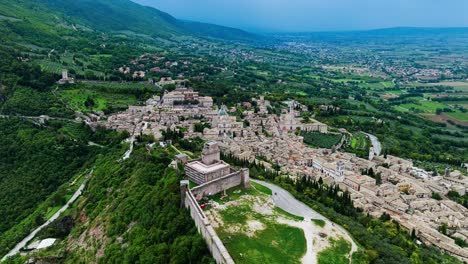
{"x":51,"y":17}
{"x":119,"y":15}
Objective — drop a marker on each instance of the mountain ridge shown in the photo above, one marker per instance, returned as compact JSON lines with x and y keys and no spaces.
{"x":121,"y":15}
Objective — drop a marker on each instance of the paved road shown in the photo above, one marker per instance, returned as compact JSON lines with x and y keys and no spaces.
{"x":131,"y":139}
{"x":26,"y":240}
{"x":284,"y":200}
{"x":39,"y":117}
{"x":375,"y":143}
{"x":126,"y":155}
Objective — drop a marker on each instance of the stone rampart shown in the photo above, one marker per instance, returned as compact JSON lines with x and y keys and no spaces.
{"x":215,"y":245}
{"x":235,"y":178}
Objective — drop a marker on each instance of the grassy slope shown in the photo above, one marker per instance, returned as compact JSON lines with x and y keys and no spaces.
{"x":119,"y":15}
{"x":336,"y":254}
{"x":125,"y":15}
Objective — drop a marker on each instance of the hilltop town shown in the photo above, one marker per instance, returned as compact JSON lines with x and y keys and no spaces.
{"x":380,"y":184}
{"x":129,"y":135}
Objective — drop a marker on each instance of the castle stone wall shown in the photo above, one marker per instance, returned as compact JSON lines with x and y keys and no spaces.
{"x":215,"y":245}
{"x":224,"y":183}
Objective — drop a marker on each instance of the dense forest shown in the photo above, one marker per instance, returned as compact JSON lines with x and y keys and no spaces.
{"x":33,"y":158}
{"x":130,"y":213}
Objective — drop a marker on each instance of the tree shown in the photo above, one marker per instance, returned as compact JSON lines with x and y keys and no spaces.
{"x":443,"y":228}
{"x":89,"y":103}
{"x":378,"y":178}
{"x":436,"y":196}
{"x":385,"y":217}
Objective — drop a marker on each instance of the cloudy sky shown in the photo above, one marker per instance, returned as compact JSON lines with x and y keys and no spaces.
{"x":318,"y":15}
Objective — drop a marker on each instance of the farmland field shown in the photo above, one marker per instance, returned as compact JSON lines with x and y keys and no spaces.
{"x":66,"y":63}
{"x":444,"y":118}
{"x":422,"y":105}
{"x":76,"y":99}
{"x":378,"y":85}
{"x":459,"y":116}
{"x":107,"y":97}
{"x":458,"y":85}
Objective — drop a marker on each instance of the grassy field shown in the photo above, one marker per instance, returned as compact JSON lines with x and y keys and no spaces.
{"x":51,"y":211}
{"x":336,"y":254}
{"x":192,"y":185}
{"x":424,"y":106}
{"x":288,"y":215}
{"x":261,"y":188}
{"x":359,"y":141}
{"x":253,"y":235}
{"x":316,"y":139}
{"x":254,"y":231}
{"x":429,"y":107}
{"x":359,"y":144}
{"x":276,"y":243}
{"x":378,"y":85}
{"x":459,"y":115}
{"x":464,"y":103}
{"x":76,"y":99}
{"x":233,"y":194}
{"x":458,"y":85}
{"x":319,"y":222}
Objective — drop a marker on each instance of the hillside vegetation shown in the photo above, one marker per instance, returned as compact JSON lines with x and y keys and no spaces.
{"x":130,"y":213}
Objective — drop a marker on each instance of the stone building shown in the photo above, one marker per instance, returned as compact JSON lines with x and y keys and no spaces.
{"x":179,"y":95}
{"x":357,"y":181}
{"x":290,"y":122}
{"x":65,"y":78}
{"x":224,"y":124}
{"x":206,"y":101}
{"x":210,"y":166}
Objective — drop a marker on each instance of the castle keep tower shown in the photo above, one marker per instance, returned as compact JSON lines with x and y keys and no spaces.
{"x":211,"y":153}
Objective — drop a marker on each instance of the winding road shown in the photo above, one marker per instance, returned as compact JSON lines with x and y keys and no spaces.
{"x":26,"y":240}
{"x":127,"y":153}
{"x":375,"y":143}
{"x":284,"y":200}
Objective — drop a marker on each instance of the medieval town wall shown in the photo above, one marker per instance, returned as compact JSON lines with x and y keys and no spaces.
{"x":215,"y":245}
{"x":234,"y":179}
{"x":190,"y":201}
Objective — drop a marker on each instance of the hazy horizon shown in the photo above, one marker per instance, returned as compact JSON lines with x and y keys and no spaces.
{"x":314,"y":15}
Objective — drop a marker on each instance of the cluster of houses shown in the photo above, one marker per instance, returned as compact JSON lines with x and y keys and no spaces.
{"x":402,"y":190}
